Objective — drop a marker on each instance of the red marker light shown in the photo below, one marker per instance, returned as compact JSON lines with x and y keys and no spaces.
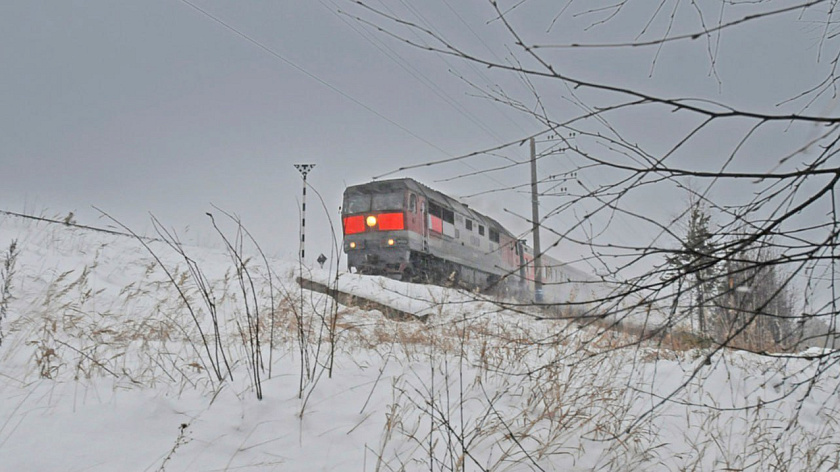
{"x":391,"y":222}
{"x":354,"y":224}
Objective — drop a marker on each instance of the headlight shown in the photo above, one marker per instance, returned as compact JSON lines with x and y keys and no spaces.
{"x":371,"y":221}
{"x":393,"y":242}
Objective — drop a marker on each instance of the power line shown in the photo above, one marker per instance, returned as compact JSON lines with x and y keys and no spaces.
{"x":451,"y":67}
{"x":332,"y":87}
{"x":470,"y":65}
{"x":309,"y":74}
{"x":415,"y":73}
{"x":69,"y":223}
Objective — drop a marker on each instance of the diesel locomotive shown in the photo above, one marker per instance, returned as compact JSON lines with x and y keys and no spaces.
{"x":405,"y":230}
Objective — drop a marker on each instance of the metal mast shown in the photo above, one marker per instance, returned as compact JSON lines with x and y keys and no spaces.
{"x":304,"y":169}
{"x":535,"y":218}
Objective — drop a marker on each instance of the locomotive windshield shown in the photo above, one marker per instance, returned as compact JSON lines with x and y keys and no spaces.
{"x":387,"y":201}
{"x":356,"y":203}
{"x":360,"y":202}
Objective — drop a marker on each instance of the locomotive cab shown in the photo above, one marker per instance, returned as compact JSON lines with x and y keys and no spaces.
{"x":376,"y":220}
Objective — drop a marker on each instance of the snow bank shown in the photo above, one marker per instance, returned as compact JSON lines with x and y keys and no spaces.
{"x":104,"y":366}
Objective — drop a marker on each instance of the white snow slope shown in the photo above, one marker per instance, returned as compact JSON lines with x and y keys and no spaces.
{"x":108,"y":353}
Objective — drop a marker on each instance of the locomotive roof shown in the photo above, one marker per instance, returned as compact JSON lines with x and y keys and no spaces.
{"x":452,"y":203}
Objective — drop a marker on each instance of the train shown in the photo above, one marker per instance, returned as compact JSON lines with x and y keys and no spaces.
{"x":405,"y":230}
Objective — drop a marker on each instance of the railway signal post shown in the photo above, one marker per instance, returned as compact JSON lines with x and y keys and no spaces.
{"x":304,"y":169}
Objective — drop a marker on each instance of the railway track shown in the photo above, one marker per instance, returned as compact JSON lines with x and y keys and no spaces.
{"x":351,"y":299}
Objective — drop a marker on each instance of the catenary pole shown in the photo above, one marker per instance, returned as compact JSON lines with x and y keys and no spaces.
{"x":535,"y":218}
{"x":304,"y":169}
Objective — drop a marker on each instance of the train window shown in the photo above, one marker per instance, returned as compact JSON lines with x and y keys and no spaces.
{"x":388,"y":201}
{"x":412,"y":203}
{"x":356,"y":203}
{"x":435,"y":210}
{"x":448,"y":216}
{"x":468,"y":224}
{"x":494,"y":235}
{"x":481,"y":230}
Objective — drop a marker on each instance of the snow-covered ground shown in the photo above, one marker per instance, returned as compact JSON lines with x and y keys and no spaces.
{"x":110,"y":360}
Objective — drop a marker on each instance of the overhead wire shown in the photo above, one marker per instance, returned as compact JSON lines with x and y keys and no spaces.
{"x":415,"y":73}
{"x":428,"y":25}
{"x":368,"y":108}
{"x":473,"y":67}
{"x":310,"y":74}
{"x":323,"y":82}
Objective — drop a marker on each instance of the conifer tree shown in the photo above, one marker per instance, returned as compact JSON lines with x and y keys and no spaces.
{"x":694,"y":265}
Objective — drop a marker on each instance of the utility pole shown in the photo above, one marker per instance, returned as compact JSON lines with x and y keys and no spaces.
{"x":535,"y":218}
{"x":304,"y":169}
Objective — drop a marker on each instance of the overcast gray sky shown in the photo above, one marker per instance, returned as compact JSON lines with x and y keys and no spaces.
{"x":154,"y":107}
